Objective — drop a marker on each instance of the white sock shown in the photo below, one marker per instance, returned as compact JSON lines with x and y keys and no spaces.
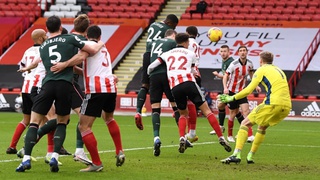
{"x":79,"y":150}
{"x":55,"y":155}
{"x":192,"y":133}
{"x":49,"y":154}
{"x":26,"y":157}
{"x":155,"y":138}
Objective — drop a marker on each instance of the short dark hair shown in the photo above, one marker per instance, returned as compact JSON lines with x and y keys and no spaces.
{"x":181,"y":38}
{"x":243,"y":46}
{"x":172,"y":18}
{"x":192,"y":31}
{"x":64,"y":31}
{"x":225,"y":46}
{"x":266,"y":57}
{"x":169,"y":32}
{"x":53,"y":24}
{"x":94,"y":32}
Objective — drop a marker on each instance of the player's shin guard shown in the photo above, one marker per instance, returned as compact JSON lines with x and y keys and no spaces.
{"x":230,"y":127}
{"x":114,"y":131}
{"x":17,"y":134}
{"x":214,"y":124}
{"x":242,"y":137}
{"x":176,"y":115}
{"x":91,"y":145}
{"x":222,"y":116}
{"x":240,"y":117}
{"x":192,"y":116}
{"x":156,"y":121}
{"x":141,"y":98}
{"x":182,"y":125}
{"x":59,"y":137}
{"x":31,"y":138}
{"x":47,"y":127}
{"x":79,"y":142}
{"x":259,"y":138}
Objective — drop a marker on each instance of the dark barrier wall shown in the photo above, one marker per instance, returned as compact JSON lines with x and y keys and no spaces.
{"x":9,"y":77}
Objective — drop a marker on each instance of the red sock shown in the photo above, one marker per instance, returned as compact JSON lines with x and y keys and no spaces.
{"x":50,"y":141}
{"x":250,"y":132}
{"x":214,"y":124}
{"x":182,"y":125}
{"x":91,"y":144}
{"x":17,"y":134}
{"x":230,"y":127}
{"x":192,"y":116}
{"x":114,"y":131}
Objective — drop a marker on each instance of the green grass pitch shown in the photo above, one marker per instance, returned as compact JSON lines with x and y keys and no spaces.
{"x":290,"y":151}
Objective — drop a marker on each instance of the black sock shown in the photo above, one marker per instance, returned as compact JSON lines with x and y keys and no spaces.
{"x":59,"y":137}
{"x":222,"y":116}
{"x":31,"y":138}
{"x":239,"y":117}
{"x":47,"y":127}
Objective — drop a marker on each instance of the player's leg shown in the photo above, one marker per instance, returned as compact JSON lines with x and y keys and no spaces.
{"x":63,"y":90}
{"x":233,"y":111}
{"x":245,"y":111}
{"x":114,"y":130}
{"x":194,"y":94}
{"x":26,"y":110}
{"x":92,"y":108}
{"x":40,"y":108}
{"x":192,"y":110}
{"x":156,"y":92}
{"x":141,"y":98}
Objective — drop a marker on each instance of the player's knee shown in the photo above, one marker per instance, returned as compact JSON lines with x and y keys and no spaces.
{"x":145,"y":86}
{"x":156,"y":110}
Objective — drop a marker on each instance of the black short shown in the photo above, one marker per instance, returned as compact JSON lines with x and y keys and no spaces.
{"x":77,"y":96}
{"x":34,"y":92}
{"x":236,"y":104}
{"x":93,"y":104}
{"x":27,"y":103}
{"x":159,"y":84}
{"x":58,"y":92}
{"x":187,"y":90}
{"x":145,"y":64}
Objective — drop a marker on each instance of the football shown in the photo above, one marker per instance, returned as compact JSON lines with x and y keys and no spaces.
{"x":214,"y":34}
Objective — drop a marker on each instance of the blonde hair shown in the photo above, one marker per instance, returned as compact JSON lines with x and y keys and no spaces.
{"x":266,"y":57}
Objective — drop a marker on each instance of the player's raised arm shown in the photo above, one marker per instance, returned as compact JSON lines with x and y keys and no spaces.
{"x":33,"y":65}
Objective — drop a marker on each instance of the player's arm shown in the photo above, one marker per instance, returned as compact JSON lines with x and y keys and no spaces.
{"x":153,"y":65}
{"x":251,"y":87}
{"x":75,"y":60}
{"x":92,"y":48}
{"x":33,"y":65}
{"x":224,"y":83}
{"x":219,"y":75}
{"x":77,"y":70}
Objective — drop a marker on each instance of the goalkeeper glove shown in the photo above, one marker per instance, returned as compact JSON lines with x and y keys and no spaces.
{"x":226,"y":98}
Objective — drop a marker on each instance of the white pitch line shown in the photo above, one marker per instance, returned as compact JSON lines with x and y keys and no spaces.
{"x":170,"y":146}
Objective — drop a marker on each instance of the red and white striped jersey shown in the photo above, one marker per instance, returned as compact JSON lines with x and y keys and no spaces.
{"x":39,"y":74}
{"x":179,"y":61}
{"x":194,"y":47}
{"x":29,"y":56}
{"x":238,"y":74}
{"x":97,"y":73}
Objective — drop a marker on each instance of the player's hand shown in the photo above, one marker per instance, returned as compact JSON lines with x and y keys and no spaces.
{"x":215,"y":73}
{"x":258,"y":89}
{"x":58,"y":67}
{"x":225,"y":91}
{"x":226,"y":98}
{"x":23,"y":70}
{"x":116,"y":80}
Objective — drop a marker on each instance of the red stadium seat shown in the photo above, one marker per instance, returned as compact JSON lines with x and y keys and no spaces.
{"x":124,"y":15}
{"x":217,"y":16}
{"x":113,"y":2}
{"x":236,"y":3}
{"x":92,"y":2}
{"x":233,"y":10}
{"x":294,"y":17}
{"x":146,"y":2}
{"x":9,"y":13}
{"x":272,"y":17}
{"x":22,"y":1}
{"x":96,"y":8}
{"x":124,"y":2}
{"x":112,"y":15}
{"x":207,"y":16}
{"x":101,"y":14}
{"x":265,"y":11}
{"x":314,"y":4}
{"x":276,"y":11}
{"x":249,"y":17}
{"x":238,"y":16}
{"x":226,"y":3}
{"x":258,"y":4}
{"x":106,"y":8}
{"x":283,"y":17}
{"x":302,"y":4}
{"x":196,"y":16}
{"x":253,"y":11}
{"x":185,"y":16}
{"x":129,"y":9}
{"x":261,"y":17}
{"x":6,"y":7}
{"x":118,"y":9}
{"x":280,"y":4}
{"x":134,"y":15}
{"x":311,"y":10}
{"x":228,"y":17}
{"x":103,"y":2}
{"x":135,"y":2}
{"x":305,"y":17}
{"x":247,"y":3}
{"x":287,"y":11}
{"x":315,"y":17}
{"x":92,"y":15}
{"x":298,"y":11}
{"x":222,"y":10}
{"x":292,"y":4}
{"x":141,"y":8}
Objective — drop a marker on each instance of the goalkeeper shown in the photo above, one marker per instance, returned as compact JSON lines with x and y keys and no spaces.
{"x":275,"y":107}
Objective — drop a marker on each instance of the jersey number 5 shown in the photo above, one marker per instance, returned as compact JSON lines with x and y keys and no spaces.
{"x":52,"y":53}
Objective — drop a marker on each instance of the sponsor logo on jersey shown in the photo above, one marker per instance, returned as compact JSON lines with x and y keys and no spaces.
{"x":311,"y":110}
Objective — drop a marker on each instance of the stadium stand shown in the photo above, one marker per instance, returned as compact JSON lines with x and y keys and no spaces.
{"x":305,"y":10}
